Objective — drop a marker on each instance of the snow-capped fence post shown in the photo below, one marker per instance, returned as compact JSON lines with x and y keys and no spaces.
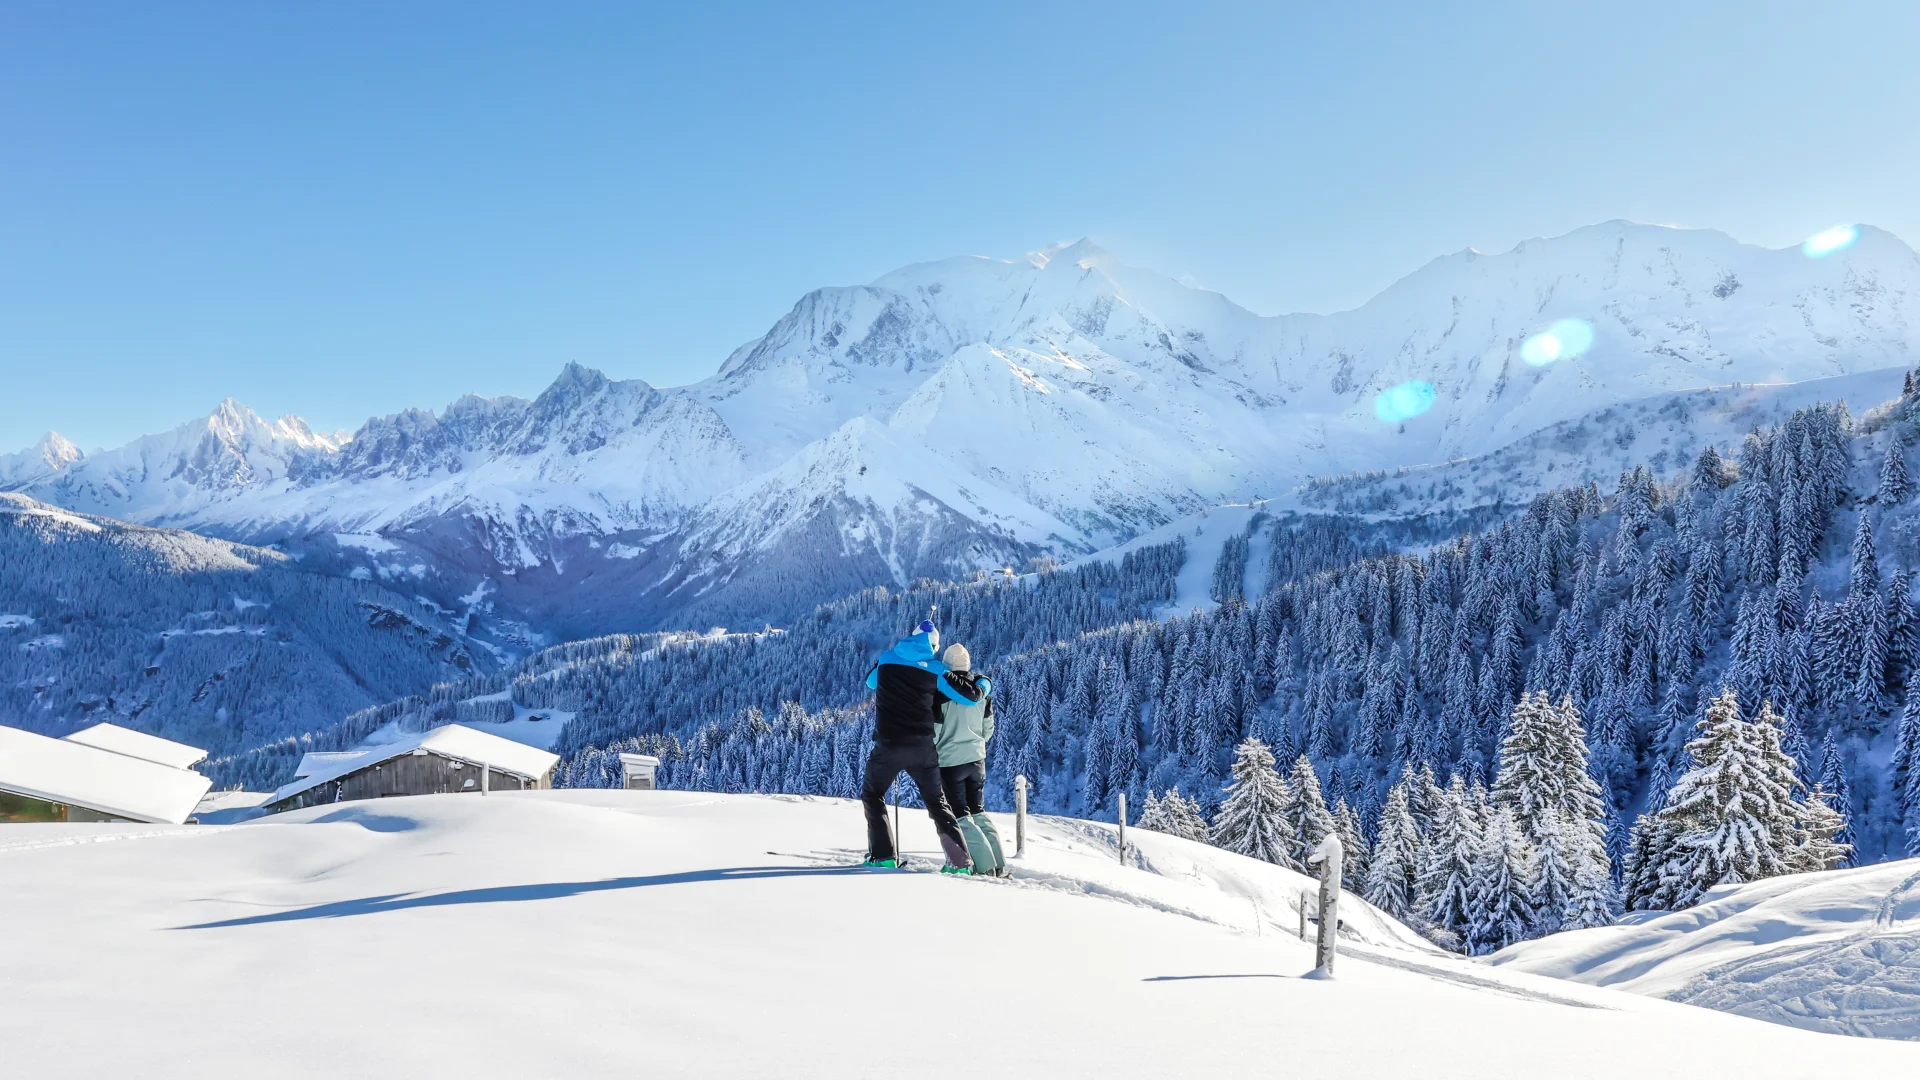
{"x":1123,"y":828}
{"x":1019,"y":817}
{"x":1328,"y":856}
{"x":485,"y":780}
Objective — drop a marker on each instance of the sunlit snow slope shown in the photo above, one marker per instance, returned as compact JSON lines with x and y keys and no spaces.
{"x":589,"y":934}
{"x":1836,"y":951}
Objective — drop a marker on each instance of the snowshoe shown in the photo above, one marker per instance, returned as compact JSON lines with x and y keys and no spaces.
{"x":956,"y":870}
{"x":882,"y":864}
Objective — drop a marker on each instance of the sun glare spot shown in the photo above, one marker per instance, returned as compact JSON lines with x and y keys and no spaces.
{"x":1565,"y":338}
{"x":1820,"y":245}
{"x":1404,"y":402}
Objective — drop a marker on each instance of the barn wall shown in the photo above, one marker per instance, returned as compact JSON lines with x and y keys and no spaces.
{"x":421,"y":774}
{"x":411,"y":774}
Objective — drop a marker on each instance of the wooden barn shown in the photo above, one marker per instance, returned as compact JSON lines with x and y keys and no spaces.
{"x":102,"y":773}
{"x":450,"y":759}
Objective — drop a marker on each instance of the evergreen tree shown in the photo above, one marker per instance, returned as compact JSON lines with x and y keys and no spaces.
{"x":1251,"y":820}
{"x":1833,"y":784}
{"x":1864,"y":579}
{"x":1305,"y":818}
{"x":1500,"y":888}
{"x":1183,"y":817}
{"x":1353,"y":841}
{"x":1393,"y":877}
{"x":1447,"y":864}
{"x":1817,"y":846}
{"x":1551,"y":883}
{"x":1894,"y":485}
{"x":1545,"y":785}
{"x":1732,"y":813}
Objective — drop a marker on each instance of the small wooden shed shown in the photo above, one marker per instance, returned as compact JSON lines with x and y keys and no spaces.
{"x":636,"y":771}
{"x":449,"y":759}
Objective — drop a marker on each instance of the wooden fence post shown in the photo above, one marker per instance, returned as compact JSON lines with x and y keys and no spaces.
{"x":1328,"y":856}
{"x":1019,"y":817}
{"x":1123,"y":828}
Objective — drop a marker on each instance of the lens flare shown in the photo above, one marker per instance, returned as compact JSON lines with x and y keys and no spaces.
{"x":1838,"y":238}
{"x":1565,"y":338}
{"x":1404,"y":402}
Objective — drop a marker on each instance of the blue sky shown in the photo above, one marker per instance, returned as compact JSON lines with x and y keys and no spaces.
{"x":345,"y":209}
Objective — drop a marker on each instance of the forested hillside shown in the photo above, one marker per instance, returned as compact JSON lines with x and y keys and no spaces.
{"x":215,"y":644}
{"x":1778,"y":571}
{"x":672,"y":684}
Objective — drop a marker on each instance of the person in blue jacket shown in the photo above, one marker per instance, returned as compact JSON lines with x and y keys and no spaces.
{"x":908,"y":690}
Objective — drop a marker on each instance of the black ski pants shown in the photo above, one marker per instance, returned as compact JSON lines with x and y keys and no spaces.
{"x":966,"y":787}
{"x":923,"y":766}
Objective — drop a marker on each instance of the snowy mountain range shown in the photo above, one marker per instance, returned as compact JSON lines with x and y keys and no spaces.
{"x":973,"y":412}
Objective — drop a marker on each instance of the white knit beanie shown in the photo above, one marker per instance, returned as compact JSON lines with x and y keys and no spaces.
{"x":956,"y":657}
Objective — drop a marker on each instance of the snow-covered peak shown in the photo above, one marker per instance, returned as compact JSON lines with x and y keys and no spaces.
{"x":44,"y":458}
{"x":1083,"y":253}
{"x":958,"y":410}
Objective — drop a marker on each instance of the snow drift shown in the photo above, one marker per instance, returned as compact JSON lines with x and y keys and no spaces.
{"x":1837,"y":951}
{"x":591,"y":934}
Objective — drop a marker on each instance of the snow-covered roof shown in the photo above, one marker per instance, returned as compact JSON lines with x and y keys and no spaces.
{"x":315,"y":760}
{"x":141,"y":745}
{"x":456,"y":741}
{"x":74,"y":773}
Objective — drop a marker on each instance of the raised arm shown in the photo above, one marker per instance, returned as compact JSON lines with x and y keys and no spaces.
{"x":959,"y":694}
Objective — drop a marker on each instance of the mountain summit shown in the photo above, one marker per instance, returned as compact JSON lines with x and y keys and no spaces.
{"x":972,"y":412}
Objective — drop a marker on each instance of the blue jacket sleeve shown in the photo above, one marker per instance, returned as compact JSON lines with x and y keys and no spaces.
{"x":873,"y":678}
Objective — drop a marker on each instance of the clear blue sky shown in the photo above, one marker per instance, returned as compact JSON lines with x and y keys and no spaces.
{"x":343,"y":209}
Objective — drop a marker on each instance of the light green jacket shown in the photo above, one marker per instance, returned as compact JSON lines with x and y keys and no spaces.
{"x":962,"y":734}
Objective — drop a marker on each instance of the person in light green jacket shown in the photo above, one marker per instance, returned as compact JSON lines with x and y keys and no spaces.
{"x":960,"y":738}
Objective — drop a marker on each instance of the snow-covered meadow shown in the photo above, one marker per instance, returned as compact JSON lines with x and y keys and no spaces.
{"x":1836,"y":951}
{"x":610,"y":933}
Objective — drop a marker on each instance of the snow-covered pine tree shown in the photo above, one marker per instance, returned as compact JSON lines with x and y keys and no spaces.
{"x":1731,"y":815}
{"x":1544,"y":783}
{"x":1550,"y":882}
{"x":1393,"y":877}
{"x":1446,"y":871}
{"x":1305,"y":817}
{"x":1251,"y":821}
{"x":1894,"y":485}
{"x":1184,"y":817}
{"x":1151,"y":816}
{"x":1817,"y":846}
{"x":1834,"y":784}
{"x":1501,"y":887}
{"x":1353,"y":841}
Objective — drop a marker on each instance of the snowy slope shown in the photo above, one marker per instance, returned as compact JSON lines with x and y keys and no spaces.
{"x":1837,"y":951}
{"x":589,"y":934}
{"x":971,"y":412}
{"x":1664,"y":432}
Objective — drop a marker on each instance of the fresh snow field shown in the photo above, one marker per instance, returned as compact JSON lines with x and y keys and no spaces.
{"x":611,"y":933}
{"x":1836,"y":951}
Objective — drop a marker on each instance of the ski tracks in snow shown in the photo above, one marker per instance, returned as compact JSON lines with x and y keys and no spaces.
{"x":1865,"y":984}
